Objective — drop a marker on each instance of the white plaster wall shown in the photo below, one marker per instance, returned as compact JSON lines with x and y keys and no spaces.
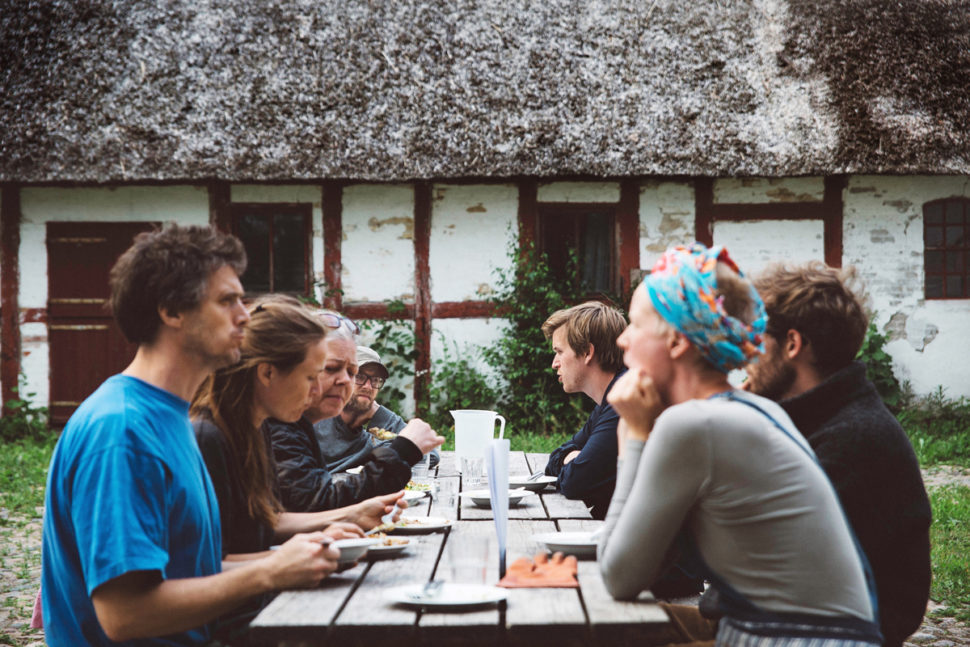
{"x":761,"y":190}
{"x":292,"y":193}
{"x":883,"y":238}
{"x":579,"y":192}
{"x":377,"y":254}
{"x":187,"y":205}
{"x":472,"y":227}
{"x":756,"y":244}
{"x":666,"y":218}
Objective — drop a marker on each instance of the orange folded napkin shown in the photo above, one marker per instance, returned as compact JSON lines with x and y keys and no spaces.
{"x":541,"y":572}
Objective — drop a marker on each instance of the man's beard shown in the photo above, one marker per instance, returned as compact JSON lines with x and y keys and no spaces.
{"x":357,"y":406}
{"x":773,"y":379}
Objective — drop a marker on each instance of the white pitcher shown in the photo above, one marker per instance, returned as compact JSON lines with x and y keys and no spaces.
{"x":473,"y":429}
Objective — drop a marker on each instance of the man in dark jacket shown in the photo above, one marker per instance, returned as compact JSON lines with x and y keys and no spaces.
{"x":816,"y":325}
{"x":587,"y":360}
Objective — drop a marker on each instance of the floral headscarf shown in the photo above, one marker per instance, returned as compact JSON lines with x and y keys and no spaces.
{"x":682,"y":287}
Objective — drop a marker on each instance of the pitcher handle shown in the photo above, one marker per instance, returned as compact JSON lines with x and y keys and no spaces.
{"x":501,"y":430}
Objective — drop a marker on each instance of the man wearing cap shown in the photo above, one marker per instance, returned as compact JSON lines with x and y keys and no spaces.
{"x":347,"y":440}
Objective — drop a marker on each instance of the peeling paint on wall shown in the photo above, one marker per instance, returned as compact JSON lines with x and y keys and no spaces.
{"x":903,"y":206}
{"x":376,"y":225}
{"x":895,"y":328}
{"x":484,"y":290}
{"x":478,"y":208}
{"x":785,"y":195}
{"x":881,"y":236}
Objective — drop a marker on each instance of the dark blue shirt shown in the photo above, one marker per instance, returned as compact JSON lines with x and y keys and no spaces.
{"x":590,"y":476}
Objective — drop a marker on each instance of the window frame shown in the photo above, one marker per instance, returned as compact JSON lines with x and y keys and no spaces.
{"x":268,"y":210}
{"x":547,"y":211}
{"x":962,"y":252}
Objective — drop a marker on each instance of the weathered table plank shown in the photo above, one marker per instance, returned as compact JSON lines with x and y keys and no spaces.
{"x":531,"y":612}
{"x":529,"y":507}
{"x":306,"y":615}
{"x":559,"y":507}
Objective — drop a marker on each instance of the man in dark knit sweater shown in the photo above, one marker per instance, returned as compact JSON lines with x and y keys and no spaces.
{"x":816,"y":325}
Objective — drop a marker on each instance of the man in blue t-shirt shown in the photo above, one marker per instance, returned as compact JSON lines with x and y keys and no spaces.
{"x":132,"y":544}
{"x":587,"y":360}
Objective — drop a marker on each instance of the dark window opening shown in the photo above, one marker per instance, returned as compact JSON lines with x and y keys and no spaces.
{"x":590,"y":232}
{"x":946,"y":253}
{"x":277,"y":242}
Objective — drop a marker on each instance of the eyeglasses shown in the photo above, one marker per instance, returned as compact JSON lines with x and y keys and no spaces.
{"x":333,"y":320}
{"x":360,"y":380}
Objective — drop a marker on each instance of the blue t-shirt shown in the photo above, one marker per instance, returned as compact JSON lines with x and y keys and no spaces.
{"x":127,"y":491}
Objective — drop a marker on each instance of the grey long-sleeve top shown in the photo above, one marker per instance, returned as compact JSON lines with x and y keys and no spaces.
{"x":761,"y":511}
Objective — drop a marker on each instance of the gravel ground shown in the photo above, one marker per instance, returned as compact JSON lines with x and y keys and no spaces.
{"x":20,"y":573}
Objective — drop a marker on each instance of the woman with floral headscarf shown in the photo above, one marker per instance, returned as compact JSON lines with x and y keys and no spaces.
{"x":723,"y":475}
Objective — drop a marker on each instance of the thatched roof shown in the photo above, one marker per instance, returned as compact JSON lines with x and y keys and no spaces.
{"x":399,"y":89}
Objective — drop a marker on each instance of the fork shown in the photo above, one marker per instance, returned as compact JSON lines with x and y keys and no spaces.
{"x":387,"y":521}
{"x":430,"y":590}
{"x":536,"y":476}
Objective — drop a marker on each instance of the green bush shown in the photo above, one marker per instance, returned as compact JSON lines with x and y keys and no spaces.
{"x":879,"y":367}
{"x":530,"y":393}
{"x":458,"y":383}
{"x":22,"y":419}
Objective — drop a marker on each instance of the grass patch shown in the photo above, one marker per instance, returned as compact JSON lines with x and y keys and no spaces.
{"x":950,"y":539}
{"x":23,"y":474}
{"x":521,"y":441}
{"x":939,"y":429}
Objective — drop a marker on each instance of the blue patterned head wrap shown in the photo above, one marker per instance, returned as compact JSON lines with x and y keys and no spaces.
{"x":682,"y":287}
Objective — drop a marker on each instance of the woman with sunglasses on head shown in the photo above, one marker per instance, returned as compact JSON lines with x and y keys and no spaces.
{"x":305,"y":482}
{"x":282,"y":357}
{"x":723,"y":474}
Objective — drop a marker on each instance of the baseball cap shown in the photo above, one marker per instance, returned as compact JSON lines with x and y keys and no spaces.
{"x":366,"y":356}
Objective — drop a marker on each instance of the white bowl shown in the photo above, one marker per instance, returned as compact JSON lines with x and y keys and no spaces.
{"x":352,"y":550}
{"x":579,"y":543}
{"x":536,"y":485}
{"x":483,"y":498}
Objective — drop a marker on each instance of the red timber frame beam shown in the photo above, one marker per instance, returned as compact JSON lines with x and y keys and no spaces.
{"x":829,"y":211}
{"x":9,"y":289}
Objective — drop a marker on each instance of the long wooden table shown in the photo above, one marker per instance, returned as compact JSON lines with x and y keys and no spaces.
{"x":349,"y":607}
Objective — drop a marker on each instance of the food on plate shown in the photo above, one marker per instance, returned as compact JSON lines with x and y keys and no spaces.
{"x":417,"y":487}
{"x":387,"y":540}
{"x":381,"y":434}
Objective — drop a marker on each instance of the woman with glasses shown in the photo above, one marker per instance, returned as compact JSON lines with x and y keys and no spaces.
{"x":283,"y":354}
{"x":305,"y":482}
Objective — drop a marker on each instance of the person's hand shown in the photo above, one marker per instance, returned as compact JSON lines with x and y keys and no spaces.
{"x":302,"y":561}
{"x":634,"y":397}
{"x":422,"y":435}
{"x":343,"y":530}
{"x":570,"y":456}
{"x":370,"y":511}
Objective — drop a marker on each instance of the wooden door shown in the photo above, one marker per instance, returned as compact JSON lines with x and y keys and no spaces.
{"x":86,"y":346}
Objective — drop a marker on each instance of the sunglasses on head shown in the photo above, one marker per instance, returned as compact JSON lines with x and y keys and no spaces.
{"x":333,"y":320}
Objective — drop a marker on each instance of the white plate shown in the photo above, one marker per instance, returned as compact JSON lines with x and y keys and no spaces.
{"x":420,"y":525}
{"x":380,"y":550}
{"x":578,"y":543}
{"x":411,"y":495}
{"x":352,"y":550}
{"x":483,"y":498}
{"x":451,"y":595}
{"x":535,"y":486}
